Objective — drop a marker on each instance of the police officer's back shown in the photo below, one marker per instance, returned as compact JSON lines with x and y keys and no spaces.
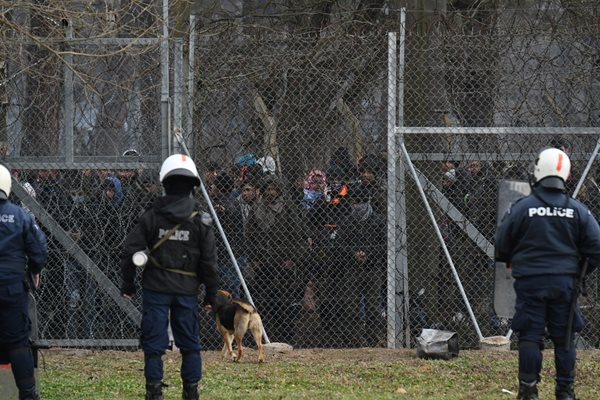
{"x":180,"y":244}
{"x":545,"y":237}
{"x":22,"y":244}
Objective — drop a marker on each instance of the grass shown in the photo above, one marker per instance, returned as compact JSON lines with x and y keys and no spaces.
{"x":309,"y":374}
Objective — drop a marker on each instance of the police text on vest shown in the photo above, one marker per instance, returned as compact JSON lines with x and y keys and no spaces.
{"x":177,"y":235}
{"x":7,"y":218}
{"x":551,"y":212}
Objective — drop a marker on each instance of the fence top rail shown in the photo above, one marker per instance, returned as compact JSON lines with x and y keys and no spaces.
{"x":508,"y":130}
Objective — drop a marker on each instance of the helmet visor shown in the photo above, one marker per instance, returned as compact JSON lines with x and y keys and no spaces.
{"x":182,"y":172}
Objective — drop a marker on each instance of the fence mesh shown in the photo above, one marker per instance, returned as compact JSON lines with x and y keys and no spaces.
{"x":292,"y":120}
{"x":290,"y":132}
{"x":519,"y":70}
{"x":462,"y":189}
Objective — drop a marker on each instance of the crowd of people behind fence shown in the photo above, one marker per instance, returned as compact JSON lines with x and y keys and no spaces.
{"x":311,"y":248}
{"x":312,"y":251}
{"x":96,"y":208}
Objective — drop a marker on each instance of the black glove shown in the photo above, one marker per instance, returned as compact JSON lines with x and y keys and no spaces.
{"x":128,"y":289}
{"x":209,"y":300}
{"x":34,"y":267}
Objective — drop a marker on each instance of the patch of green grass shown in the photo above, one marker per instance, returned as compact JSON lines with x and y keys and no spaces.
{"x":309,"y":374}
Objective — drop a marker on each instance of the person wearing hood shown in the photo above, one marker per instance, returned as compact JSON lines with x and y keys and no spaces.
{"x":314,"y":188}
{"x":174,"y":242}
{"x":314,"y":215}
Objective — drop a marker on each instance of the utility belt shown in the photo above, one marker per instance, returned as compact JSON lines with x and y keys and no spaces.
{"x":155,"y":264}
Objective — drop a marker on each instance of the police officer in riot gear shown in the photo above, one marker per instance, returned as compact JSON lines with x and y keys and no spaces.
{"x":22,"y":244}
{"x":179,"y":245}
{"x":545,"y":237}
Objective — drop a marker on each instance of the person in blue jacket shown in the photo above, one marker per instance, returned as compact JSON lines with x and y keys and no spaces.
{"x":545,"y":237}
{"x":22,"y":245}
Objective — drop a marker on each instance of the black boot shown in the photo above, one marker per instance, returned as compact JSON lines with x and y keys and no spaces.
{"x":190,"y":391}
{"x":28,"y":395}
{"x":154,"y":390}
{"x":565,"y":392}
{"x":528,"y":391}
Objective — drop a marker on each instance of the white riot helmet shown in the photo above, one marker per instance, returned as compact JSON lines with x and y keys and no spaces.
{"x":179,"y":165}
{"x":5,"y":182}
{"x":552,"y":168}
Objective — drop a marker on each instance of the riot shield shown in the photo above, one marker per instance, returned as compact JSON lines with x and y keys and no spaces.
{"x":504,"y":293}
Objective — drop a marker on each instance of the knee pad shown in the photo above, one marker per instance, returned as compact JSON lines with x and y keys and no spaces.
{"x":153,"y":367}
{"x":530,"y":361}
{"x":564,"y":360}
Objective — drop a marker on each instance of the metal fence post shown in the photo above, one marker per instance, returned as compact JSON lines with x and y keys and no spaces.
{"x":401,"y":240}
{"x":191,"y":80}
{"x":164,"y":90}
{"x":391,"y":195}
{"x":177,"y":84}
{"x":68,"y":102}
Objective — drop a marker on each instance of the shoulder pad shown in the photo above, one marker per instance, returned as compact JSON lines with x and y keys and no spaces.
{"x":206,"y":218}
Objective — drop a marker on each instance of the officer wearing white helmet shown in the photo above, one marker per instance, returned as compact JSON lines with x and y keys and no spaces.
{"x":173,"y":244}
{"x":22,"y":244}
{"x":545,"y":237}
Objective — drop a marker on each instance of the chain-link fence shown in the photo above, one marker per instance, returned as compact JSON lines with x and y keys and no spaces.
{"x":495,"y":90}
{"x":292,"y":116}
{"x":82,"y":124}
{"x":462,"y":190}
{"x":292,"y":132}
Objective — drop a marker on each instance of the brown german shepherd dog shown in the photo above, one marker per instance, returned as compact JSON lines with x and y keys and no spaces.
{"x":234,"y":317}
